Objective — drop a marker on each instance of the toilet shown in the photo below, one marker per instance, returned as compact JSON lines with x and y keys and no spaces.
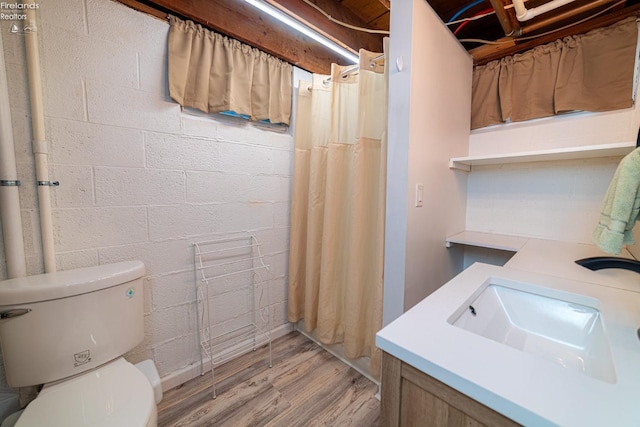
{"x":68,"y":331}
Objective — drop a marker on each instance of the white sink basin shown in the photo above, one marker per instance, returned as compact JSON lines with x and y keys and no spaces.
{"x":561,"y":330}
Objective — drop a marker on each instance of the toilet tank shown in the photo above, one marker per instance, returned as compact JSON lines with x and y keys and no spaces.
{"x":57,"y":325}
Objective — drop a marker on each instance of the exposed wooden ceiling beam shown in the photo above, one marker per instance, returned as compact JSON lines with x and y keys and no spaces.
{"x":339,"y":34}
{"x":238,"y":20}
{"x":490,"y":52}
{"x":508,"y":21}
{"x":373,"y":13}
{"x":146,"y":8}
{"x":559,"y":16}
{"x":509,"y":46}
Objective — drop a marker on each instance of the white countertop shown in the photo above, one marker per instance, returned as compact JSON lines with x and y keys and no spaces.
{"x":555,"y":258}
{"x":524,"y":387}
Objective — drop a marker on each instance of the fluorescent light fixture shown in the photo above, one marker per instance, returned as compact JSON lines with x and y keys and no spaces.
{"x":286,"y":19}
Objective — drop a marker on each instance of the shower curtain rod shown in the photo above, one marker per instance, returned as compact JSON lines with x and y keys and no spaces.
{"x":355,"y":67}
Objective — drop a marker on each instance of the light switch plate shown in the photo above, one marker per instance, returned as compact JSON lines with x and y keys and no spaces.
{"x":419,"y":195}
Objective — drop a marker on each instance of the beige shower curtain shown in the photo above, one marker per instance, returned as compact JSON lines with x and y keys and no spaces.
{"x":338,"y":205}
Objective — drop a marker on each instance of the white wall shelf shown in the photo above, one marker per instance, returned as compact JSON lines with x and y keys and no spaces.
{"x":580,"y":152}
{"x":501,"y":242}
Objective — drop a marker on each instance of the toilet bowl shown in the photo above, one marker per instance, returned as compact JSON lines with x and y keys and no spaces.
{"x":79,"y":323}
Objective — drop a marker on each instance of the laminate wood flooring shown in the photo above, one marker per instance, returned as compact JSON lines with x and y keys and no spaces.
{"x":306,"y":386}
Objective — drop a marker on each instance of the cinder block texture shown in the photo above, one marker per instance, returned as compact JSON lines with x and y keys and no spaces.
{"x":85,"y":228}
{"x":129,"y":187}
{"x":140,"y":178}
{"x":81,"y":143}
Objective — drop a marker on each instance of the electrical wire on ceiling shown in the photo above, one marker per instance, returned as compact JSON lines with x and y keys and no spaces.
{"x":482,"y":13}
{"x":482,"y":41}
{"x":491,"y":42}
{"x":464,"y":9}
{"x":344,"y":24}
{"x":463,"y":22}
{"x":473,"y":18}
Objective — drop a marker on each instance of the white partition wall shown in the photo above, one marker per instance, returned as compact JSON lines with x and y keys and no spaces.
{"x":429,"y":114}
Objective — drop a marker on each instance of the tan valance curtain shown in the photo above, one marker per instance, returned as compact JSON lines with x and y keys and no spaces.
{"x":214,"y":73}
{"x":589,"y":72}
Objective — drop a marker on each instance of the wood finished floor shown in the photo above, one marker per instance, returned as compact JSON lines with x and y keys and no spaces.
{"x":306,"y":386}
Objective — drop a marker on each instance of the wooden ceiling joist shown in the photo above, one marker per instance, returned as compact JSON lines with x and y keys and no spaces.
{"x":241,"y":21}
{"x":339,"y":34}
{"x":509,"y":46}
{"x":508,"y":21}
{"x":546,"y":22}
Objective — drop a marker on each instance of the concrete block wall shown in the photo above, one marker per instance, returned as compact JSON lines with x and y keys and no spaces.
{"x":139,"y":178}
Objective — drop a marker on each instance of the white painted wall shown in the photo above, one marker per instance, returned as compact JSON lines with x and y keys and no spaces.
{"x":138,"y":178}
{"x":550,"y":200}
{"x":423,"y":134}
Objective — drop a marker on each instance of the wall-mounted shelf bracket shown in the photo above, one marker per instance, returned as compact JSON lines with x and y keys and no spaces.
{"x":568,"y":153}
{"x":503,"y":242}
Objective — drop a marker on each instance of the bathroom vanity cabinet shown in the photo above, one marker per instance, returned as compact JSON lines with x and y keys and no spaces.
{"x":438,"y":373}
{"x":411,"y":398}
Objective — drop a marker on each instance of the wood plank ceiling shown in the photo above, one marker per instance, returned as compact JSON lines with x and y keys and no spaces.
{"x":500,"y":28}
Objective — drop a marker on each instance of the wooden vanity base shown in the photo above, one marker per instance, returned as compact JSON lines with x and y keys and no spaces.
{"x":413,"y":398}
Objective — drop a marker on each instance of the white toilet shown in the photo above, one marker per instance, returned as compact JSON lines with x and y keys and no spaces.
{"x":68,"y":330}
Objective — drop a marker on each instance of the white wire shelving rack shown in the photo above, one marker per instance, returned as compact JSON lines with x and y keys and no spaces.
{"x":232,"y":296}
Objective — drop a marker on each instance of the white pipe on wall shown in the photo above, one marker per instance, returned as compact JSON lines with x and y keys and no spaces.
{"x":39,"y":143}
{"x":9,"y":197}
{"x":524,"y":14}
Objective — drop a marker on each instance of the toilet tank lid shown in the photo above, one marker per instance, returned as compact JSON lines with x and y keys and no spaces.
{"x":44,"y":287}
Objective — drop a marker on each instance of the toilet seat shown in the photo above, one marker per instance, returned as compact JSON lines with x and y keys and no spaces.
{"x":113,"y":395}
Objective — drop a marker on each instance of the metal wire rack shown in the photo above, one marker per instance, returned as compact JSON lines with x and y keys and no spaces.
{"x":232,"y":296}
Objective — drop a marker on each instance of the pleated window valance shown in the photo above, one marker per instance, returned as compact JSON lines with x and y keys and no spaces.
{"x":213,"y":73}
{"x":589,"y":72}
